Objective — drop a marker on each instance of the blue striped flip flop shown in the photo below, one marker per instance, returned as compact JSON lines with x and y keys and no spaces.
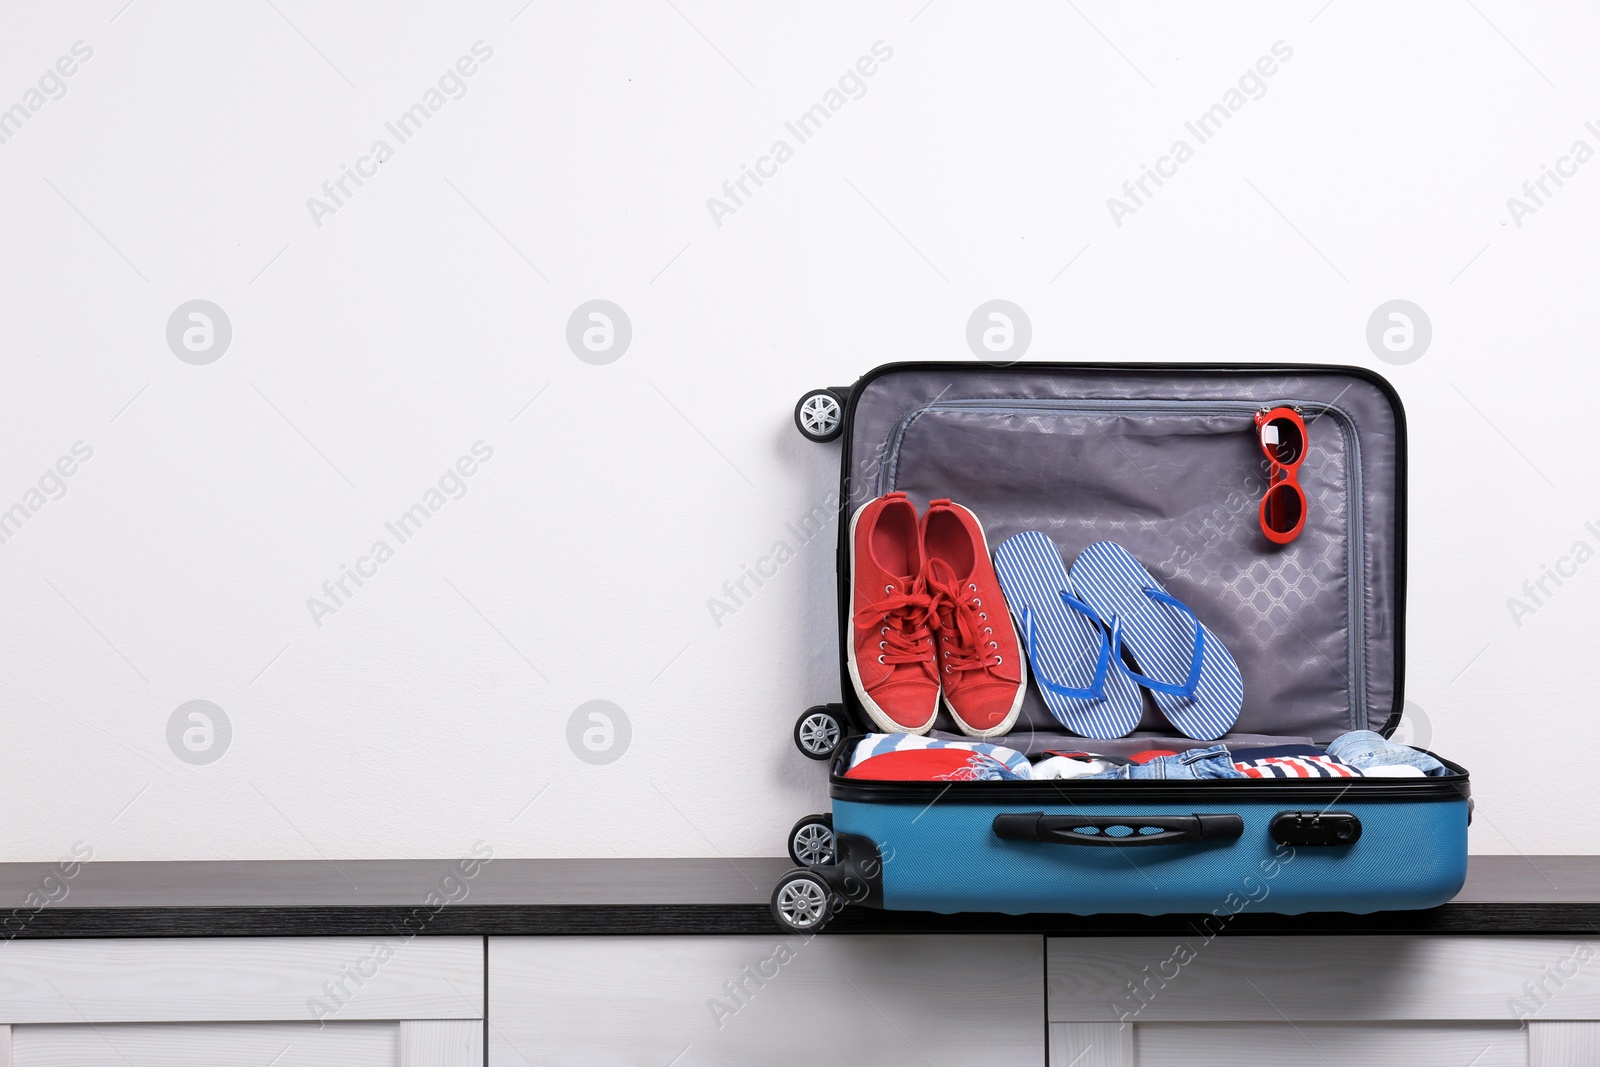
{"x":1066,"y":642}
{"x":1166,"y":640}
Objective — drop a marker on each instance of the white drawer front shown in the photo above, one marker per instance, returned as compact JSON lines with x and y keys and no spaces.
{"x":207,"y":1045}
{"x":697,"y":1001}
{"x":1146,"y":980}
{"x":291,"y":979}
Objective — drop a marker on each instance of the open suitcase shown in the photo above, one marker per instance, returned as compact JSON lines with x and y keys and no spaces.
{"x":1163,"y":459}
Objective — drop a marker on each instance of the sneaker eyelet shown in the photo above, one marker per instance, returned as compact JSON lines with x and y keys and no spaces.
{"x":884,"y":631}
{"x":999,"y":660}
{"x":988,"y":629}
{"x":984,"y":615}
{"x":882,"y":644}
{"x":880,"y":659}
{"x":888,"y":589}
{"x":972,"y":587}
{"x":993,"y":645}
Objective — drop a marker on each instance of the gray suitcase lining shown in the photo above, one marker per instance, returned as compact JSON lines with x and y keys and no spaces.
{"x":1165,"y":462}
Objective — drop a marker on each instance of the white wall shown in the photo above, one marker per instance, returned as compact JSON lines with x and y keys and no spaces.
{"x":371,"y":351}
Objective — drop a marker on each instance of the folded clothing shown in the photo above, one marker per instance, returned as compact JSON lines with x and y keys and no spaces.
{"x":1109,"y":761}
{"x":933,"y":765}
{"x":1211,"y":762}
{"x":1251,"y":753}
{"x":1296,"y":767}
{"x":879,"y":744}
{"x":1054,"y":768}
{"x":1365,"y":750}
{"x":911,"y":757}
{"x":1397,"y":770}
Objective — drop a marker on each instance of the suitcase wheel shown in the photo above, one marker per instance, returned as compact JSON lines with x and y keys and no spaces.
{"x":803,"y":902}
{"x":819,"y":416}
{"x":818,"y":731}
{"x":811,"y":841}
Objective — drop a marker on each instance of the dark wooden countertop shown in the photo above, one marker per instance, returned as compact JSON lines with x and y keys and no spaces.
{"x":1553,"y":895}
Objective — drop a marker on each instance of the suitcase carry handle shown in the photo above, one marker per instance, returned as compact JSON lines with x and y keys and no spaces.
{"x":1133,"y":830}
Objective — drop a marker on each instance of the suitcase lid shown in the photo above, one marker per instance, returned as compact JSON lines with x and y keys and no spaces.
{"x":1164,"y":459}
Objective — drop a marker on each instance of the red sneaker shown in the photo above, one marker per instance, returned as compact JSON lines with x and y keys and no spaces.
{"x":980,"y":661}
{"x":891,"y":652}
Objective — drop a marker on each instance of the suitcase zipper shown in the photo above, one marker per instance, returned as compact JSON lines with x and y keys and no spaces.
{"x":1313,"y":409}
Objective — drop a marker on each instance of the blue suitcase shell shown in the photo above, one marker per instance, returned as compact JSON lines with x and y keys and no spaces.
{"x":1161,"y":458}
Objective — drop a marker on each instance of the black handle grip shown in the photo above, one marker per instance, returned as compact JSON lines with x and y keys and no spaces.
{"x":1094,"y":830}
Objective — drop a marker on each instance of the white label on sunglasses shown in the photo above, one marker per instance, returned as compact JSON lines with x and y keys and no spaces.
{"x":1269,"y":434}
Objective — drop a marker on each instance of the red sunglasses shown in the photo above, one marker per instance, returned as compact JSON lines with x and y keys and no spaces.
{"x":1283,"y":507}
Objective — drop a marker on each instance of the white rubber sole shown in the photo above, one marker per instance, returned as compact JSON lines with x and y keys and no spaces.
{"x":879,"y":717}
{"x":1010,"y":720}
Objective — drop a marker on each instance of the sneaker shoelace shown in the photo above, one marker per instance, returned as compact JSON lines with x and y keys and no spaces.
{"x":960,"y":616}
{"x":905,"y":624}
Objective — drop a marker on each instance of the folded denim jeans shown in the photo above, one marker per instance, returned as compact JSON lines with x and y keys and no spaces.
{"x":1213,"y":762}
{"x":1362,"y":749}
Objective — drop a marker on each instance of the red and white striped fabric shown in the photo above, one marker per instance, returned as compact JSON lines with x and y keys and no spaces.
{"x":1297,"y":767}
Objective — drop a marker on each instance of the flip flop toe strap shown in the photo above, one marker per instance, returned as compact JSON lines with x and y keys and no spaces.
{"x":1184,"y":690}
{"x":1095,"y":691}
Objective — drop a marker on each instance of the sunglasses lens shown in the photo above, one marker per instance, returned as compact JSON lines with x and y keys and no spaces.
{"x":1284,"y":507}
{"x":1284,"y":441}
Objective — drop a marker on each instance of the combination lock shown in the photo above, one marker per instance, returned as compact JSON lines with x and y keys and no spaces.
{"x":1315,"y":828}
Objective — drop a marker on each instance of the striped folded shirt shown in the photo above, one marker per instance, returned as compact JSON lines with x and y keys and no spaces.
{"x":878,"y":744}
{"x":1297,"y":767}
